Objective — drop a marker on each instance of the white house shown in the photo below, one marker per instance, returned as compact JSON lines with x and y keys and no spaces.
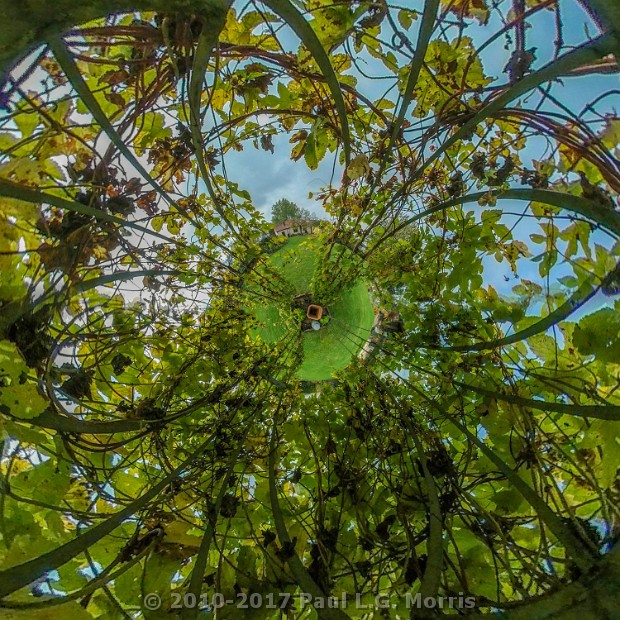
{"x":290,"y":228}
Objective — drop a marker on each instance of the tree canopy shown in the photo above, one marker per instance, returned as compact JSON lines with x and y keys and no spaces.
{"x":159,"y":458}
{"x":284,"y":209}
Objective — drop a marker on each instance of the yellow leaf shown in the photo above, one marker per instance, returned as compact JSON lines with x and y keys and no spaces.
{"x":358,"y":167}
{"x":100,"y":253}
{"x":468,"y":8}
{"x":176,"y":532}
{"x":22,"y":401}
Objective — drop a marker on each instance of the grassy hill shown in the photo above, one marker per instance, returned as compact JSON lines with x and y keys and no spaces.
{"x":332,"y":347}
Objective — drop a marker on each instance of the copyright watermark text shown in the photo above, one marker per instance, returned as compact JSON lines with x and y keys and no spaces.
{"x":286,"y":600}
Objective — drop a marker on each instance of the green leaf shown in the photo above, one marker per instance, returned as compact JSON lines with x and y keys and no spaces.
{"x":18,"y":395}
{"x":304,"y":31}
{"x":599,"y":334}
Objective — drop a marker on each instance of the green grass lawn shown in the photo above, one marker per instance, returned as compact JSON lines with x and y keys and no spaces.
{"x":332,"y":347}
{"x":296,"y":260}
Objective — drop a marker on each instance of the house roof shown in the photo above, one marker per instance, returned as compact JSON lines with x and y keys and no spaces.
{"x":290,"y":223}
{"x":284,"y":226}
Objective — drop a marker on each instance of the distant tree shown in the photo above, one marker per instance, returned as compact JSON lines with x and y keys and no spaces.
{"x":284,"y":209}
